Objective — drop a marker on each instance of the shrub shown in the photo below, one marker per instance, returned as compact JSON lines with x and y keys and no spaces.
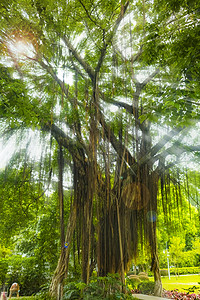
{"x":133,"y":280}
{"x":3,"y":270}
{"x":27,"y":272}
{"x":71,"y":291}
{"x":143,"y":273}
{"x":133,"y":276}
{"x":131,"y":273}
{"x":182,"y":271}
{"x":43,"y":294}
{"x":146,"y":287}
{"x":143,"y":277}
{"x":98,"y":288}
{"x":163,"y":272}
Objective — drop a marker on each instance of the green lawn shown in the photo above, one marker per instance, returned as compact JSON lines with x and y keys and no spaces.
{"x":181,"y":282}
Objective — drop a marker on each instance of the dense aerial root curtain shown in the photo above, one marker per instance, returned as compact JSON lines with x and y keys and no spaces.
{"x":151,"y":229}
{"x":82,"y":208}
{"x":136,"y":216}
{"x":56,"y":286}
{"x":61,"y":197}
{"x":80,"y":197}
{"x":87,"y":213}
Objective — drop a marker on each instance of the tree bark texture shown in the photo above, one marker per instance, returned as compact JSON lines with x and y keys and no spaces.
{"x":62,"y":266}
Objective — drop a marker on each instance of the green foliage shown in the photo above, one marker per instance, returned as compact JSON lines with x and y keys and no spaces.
{"x":18,"y":200}
{"x":43,"y":294}
{"x":15,"y":105}
{"x":71,"y":291}
{"x":99,"y":288}
{"x":163,"y":272}
{"x":36,"y":235}
{"x":146,"y":287}
{"x":176,"y":247}
{"x":4,"y":263}
{"x":133,"y":280}
{"x":3,"y":270}
{"x":27,"y":272}
{"x":184,"y":271}
{"x":143,"y":277}
{"x":178,"y":224}
{"x":130,"y":273}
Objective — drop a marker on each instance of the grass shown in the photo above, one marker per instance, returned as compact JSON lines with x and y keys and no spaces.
{"x":182,"y":282}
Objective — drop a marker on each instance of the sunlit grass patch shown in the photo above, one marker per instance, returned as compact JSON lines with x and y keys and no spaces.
{"x":181,"y":282}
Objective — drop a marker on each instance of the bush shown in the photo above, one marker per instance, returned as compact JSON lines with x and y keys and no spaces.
{"x":71,"y":291}
{"x":98,"y":288}
{"x":143,"y":277}
{"x":43,"y":294}
{"x":143,"y":273}
{"x":131,"y":273}
{"x":182,"y":271}
{"x":163,"y":272}
{"x":133,"y":280}
{"x":146,"y":287}
{"x":133,"y":277}
{"x":27,"y":272}
{"x":3,"y":270}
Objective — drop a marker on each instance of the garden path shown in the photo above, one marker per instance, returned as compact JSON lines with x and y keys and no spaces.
{"x":147,"y":297}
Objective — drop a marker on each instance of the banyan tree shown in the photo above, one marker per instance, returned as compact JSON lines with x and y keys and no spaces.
{"x":87,"y":73}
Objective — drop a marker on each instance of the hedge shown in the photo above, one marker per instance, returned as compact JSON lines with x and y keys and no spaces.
{"x":181,"y":271}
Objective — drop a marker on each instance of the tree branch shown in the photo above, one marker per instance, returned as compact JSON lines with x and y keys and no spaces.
{"x":149,"y":158}
{"x":149,"y":78}
{"x":135,"y":57}
{"x":74,"y":147}
{"x":51,"y":71}
{"x":78,"y":57}
{"x":118,"y":146}
{"x":117,"y":23}
{"x":177,"y":149}
{"x":166,"y":138}
{"x":89,"y":16}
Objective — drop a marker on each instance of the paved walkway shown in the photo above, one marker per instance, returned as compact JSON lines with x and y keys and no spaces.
{"x":147,"y":297}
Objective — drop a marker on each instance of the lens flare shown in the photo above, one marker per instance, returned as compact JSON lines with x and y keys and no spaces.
{"x":22,"y":48}
{"x":22,"y":45}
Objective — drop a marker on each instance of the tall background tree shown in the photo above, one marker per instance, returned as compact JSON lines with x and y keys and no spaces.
{"x":101,"y":80}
